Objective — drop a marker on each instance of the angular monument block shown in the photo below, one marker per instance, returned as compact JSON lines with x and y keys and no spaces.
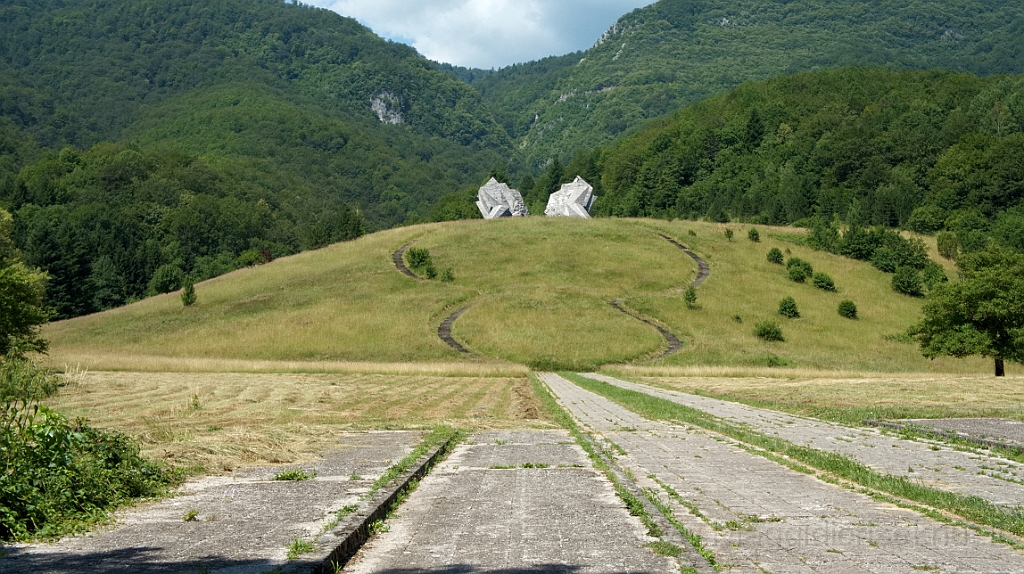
{"x":499,"y":200}
{"x":573,"y":200}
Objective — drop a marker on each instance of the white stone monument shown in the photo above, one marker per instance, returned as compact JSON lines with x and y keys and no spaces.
{"x":573,"y":200}
{"x":499,"y":200}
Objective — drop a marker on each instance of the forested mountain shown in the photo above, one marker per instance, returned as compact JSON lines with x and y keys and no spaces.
{"x":928,"y":151}
{"x":676,"y":52}
{"x":142,"y":141}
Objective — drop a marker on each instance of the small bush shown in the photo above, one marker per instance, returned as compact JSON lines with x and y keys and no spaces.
{"x":907,"y":281}
{"x":848,"y":309}
{"x":768,"y":331}
{"x":797,"y":274}
{"x":417,"y":257}
{"x":947,"y":244}
{"x":753,"y":235}
{"x":448,"y":275}
{"x":691,"y":233}
{"x":824,"y":282}
{"x":188,"y":293}
{"x":429,"y":271}
{"x":167,"y":278}
{"x":728,"y":234}
{"x":787,"y":308}
{"x":775,"y":256}
{"x":58,"y":477}
{"x":690,"y":297}
{"x":884,"y":259}
{"x":933,"y":274}
{"x":797,"y":262}
{"x":294,"y":474}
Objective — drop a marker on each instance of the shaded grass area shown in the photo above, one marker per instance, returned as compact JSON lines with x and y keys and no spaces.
{"x":222,"y":421}
{"x":850,"y":400}
{"x":971,"y":508}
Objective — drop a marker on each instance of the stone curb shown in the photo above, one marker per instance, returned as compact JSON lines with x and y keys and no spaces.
{"x":349,"y":537}
{"x":947,"y":434}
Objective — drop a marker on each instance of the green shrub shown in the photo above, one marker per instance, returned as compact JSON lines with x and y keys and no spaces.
{"x":167,"y":278}
{"x":797,"y":262}
{"x":429,"y":271}
{"x":691,"y":233}
{"x":690,"y":297}
{"x":798,"y":274}
{"x":824,"y":282}
{"x":294,"y":474}
{"x":448,"y":275}
{"x":787,"y":308}
{"x":753,"y":235}
{"x":848,"y":309}
{"x":775,"y":256}
{"x":416,"y":257}
{"x":907,"y":281}
{"x":933,"y":274}
{"x":768,"y":330}
{"x":884,"y":259}
{"x":728,"y":234}
{"x":57,"y":477}
{"x":947,"y":244}
{"x":188,"y":293}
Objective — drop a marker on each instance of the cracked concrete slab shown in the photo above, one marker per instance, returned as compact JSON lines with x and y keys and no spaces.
{"x":244,"y":522}
{"x":757,"y":515}
{"x":474,"y":514}
{"x":931,"y":462}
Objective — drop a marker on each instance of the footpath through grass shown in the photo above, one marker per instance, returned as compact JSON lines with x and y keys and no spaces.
{"x":970,"y":508}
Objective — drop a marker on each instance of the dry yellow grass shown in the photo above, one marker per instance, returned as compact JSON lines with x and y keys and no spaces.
{"x":227,"y":420}
{"x":852,"y":397}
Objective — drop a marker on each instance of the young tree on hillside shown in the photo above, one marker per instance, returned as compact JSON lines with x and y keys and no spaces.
{"x":981,"y":315}
{"x":21,"y":298}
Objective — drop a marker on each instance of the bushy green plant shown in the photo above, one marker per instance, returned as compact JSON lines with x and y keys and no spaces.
{"x":448,"y":275}
{"x":775,"y":256}
{"x":167,"y":278}
{"x":907,"y":281}
{"x":728,"y":234}
{"x":795,"y":262}
{"x":188,"y":293}
{"x":824,"y":282}
{"x":429,"y":271}
{"x":58,"y":476}
{"x":753,"y":235}
{"x":933,"y":274}
{"x":690,"y":297}
{"x":787,"y":308}
{"x":768,"y":331}
{"x":848,"y":309}
{"x":885,"y":260}
{"x":798,"y":274}
{"x":947,"y":244}
{"x":417,"y":257}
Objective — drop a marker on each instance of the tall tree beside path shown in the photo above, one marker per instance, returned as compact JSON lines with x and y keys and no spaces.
{"x":21,"y":298}
{"x":982,"y":314}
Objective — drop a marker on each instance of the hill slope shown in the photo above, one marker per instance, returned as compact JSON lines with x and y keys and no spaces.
{"x":676,"y":52}
{"x":538,"y":292}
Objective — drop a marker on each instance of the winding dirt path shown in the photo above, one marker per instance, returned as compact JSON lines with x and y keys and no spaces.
{"x":399,"y":261}
{"x":674,"y":344}
{"x":703,"y":271}
{"x":444,"y":331}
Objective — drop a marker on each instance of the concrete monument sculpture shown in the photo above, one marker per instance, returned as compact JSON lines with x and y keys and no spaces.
{"x":499,"y":200}
{"x":572,"y":200}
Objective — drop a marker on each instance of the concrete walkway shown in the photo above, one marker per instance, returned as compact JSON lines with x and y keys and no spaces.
{"x":244,"y":523}
{"x":513,"y":501}
{"x":995,"y":479}
{"x":759,"y":516}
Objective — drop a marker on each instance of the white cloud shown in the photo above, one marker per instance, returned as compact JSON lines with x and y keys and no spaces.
{"x":487,"y":33}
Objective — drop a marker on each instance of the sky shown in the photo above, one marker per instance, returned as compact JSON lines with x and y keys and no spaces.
{"x":487,"y":33}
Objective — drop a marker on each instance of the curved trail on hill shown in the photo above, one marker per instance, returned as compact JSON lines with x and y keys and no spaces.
{"x":444,"y":331}
{"x":674,"y":344}
{"x":703,"y":271}
{"x":399,"y":261}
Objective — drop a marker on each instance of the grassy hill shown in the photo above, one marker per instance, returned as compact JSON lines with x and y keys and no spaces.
{"x":538,"y":292}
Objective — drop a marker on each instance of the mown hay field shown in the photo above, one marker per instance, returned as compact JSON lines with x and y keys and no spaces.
{"x":222,"y":421}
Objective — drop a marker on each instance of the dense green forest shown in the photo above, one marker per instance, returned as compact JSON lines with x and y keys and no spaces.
{"x":677,"y":52}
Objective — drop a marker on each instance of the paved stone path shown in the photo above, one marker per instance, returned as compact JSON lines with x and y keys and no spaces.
{"x":444,"y":331}
{"x":674,"y":344}
{"x":990,"y":477}
{"x":244,"y":524}
{"x":1004,"y":430}
{"x":760,"y":516}
{"x":471,"y":514}
{"x":399,"y":261}
{"x":703,"y":271}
